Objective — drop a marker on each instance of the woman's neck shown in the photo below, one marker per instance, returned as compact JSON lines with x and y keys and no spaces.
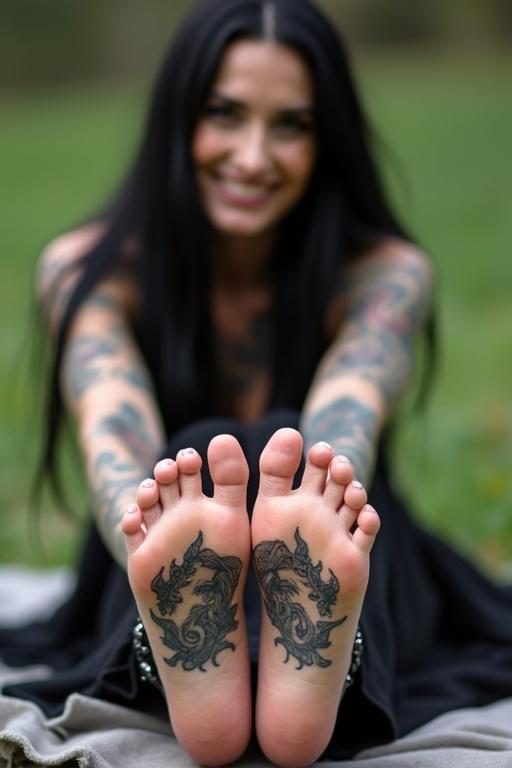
{"x":241,"y":263}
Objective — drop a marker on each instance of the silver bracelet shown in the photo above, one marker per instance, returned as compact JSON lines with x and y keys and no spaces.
{"x":148,"y":672}
{"x":357,"y":655}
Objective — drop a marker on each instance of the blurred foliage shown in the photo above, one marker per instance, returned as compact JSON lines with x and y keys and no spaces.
{"x":384,"y":23}
{"x":51,"y":41}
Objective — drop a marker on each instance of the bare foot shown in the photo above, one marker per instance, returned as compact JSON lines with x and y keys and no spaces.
{"x":187,"y":563}
{"x":311,"y":551}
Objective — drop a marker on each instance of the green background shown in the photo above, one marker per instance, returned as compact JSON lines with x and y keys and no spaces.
{"x":443,"y":110}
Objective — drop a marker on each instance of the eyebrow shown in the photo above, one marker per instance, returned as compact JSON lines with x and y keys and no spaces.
{"x":302,"y":111}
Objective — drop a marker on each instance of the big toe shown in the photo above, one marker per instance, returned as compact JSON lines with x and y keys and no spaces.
{"x":229,"y":471}
{"x":279,"y":462}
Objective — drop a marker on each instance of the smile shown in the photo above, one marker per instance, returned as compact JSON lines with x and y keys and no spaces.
{"x":243,"y":194}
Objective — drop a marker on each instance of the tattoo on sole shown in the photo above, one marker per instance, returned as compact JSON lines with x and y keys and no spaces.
{"x":301,"y":637}
{"x":201,"y":636}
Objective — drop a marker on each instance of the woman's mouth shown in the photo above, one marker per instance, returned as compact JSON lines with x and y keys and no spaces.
{"x":242,"y":193}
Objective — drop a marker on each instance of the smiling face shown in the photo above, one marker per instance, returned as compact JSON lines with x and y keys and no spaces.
{"x":254,"y":145}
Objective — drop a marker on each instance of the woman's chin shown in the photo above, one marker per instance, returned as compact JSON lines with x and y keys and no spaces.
{"x":240,"y":226}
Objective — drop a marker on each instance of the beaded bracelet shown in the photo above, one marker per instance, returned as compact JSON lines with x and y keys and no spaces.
{"x":148,"y":672}
{"x":357,"y":656}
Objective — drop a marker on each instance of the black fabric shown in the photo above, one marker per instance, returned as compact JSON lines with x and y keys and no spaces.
{"x":437,"y":635}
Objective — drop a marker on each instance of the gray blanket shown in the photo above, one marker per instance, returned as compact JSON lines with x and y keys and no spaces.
{"x":95,"y":734}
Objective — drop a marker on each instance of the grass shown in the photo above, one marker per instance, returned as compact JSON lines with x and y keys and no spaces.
{"x":449,"y":124}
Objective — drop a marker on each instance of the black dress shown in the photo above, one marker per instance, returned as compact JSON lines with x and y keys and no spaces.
{"x":437,"y":635}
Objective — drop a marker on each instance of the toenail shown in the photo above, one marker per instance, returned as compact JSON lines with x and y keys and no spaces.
{"x":357,"y":484}
{"x":168,"y":462}
{"x":187,"y":452}
{"x":325,"y":445}
{"x":342,"y":459}
{"x":147,"y":483}
{"x":131,"y":509}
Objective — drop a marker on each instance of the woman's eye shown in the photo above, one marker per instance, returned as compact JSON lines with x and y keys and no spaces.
{"x":220,"y":112}
{"x":294,"y":125}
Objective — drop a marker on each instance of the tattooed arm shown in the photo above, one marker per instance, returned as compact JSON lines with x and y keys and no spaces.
{"x":107,"y":388}
{"x":383,"y":304}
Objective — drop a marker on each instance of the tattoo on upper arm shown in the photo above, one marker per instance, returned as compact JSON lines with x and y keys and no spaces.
{"x":91,"y":359}
{"x":350,"y":426}
{"x":82,"y":381}
{"x":54,"y":283}
{"x":300,"y":636}
{"x":201,"y":635}
{"x":102,"y":299}
{"x":386,"y":309}
{"x":82,"y":356}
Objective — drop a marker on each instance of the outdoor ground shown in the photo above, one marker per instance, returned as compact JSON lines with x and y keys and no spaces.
{"x":448,"y":124}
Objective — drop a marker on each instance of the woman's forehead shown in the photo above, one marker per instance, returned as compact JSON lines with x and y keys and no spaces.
{"x":276,"y":73}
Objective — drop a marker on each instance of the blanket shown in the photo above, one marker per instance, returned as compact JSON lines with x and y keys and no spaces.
{"x":95,"y":734}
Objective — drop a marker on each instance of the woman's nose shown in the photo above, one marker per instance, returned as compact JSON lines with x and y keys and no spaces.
{"x":252,"y":155}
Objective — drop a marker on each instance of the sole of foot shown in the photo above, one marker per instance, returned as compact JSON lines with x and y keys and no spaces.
{"x":188,"y":556}
{"x":311,"y":551}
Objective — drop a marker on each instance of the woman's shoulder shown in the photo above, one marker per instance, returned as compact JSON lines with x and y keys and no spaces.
{"x":60,"y":268}
{"x":392,"y":253}
{"x":63,"y":255}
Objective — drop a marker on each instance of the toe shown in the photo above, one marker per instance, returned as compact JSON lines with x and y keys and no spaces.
{"x":189,"y":478}
{"x":353,"y":501}
{"x":229,"y":471}
{"x":166,"y":475}
{"x":279,"y":462}
{"x":368,"y":524}
{"x":148,"y":499}
{"x":355,"y":495}
{"x":131,"y":523}
{"x":315,"y":471}
{"x":341,"y":474}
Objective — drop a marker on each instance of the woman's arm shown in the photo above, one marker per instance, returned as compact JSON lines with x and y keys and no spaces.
{"x":384,"y":303}
{"x":108,"y":390}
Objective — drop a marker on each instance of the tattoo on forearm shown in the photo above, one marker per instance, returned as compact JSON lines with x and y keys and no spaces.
{"x":350,"y":426}
{"x":301,"y":637}
{"x":378,"y":359}
{"x":129,"y":426}
{"x":201,"y":636}
{"x":112,"y":478}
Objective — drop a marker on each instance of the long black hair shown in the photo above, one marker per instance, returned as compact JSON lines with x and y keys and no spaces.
{"x":342,"y":212}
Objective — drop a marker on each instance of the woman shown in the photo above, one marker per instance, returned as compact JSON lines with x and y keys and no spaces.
{"x":247,"y":292}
